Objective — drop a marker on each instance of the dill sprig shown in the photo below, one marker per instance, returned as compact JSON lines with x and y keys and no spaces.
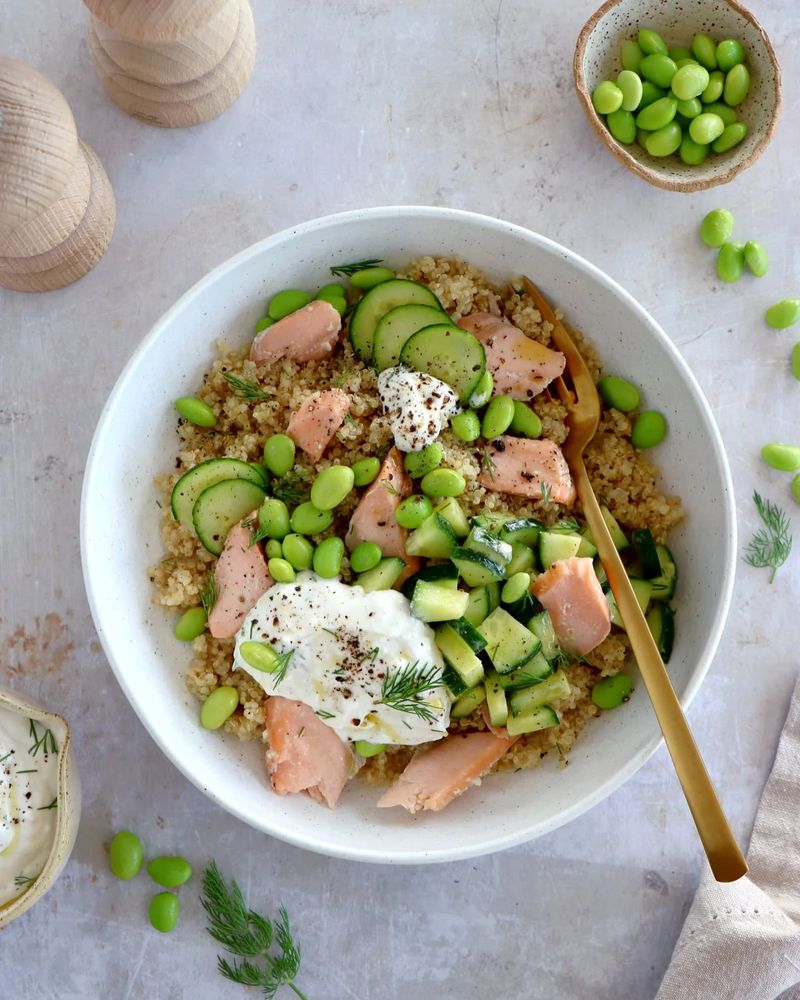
{"x":350,"y":269}
{"x":52,"y":805}
{"x":6,"y":756}
{"x":281,"y":666}
{"x":46,"y":742}
{"x":208,"y":595}
{"x":323,"y":714}
{"x":487,"y":463}
{"x":22,"y":879}
{"x":566,"y":525}
{"x":403,"y":689}
{"x":292,"y":489}
{"x":546,"y":489}
{"x":247,"y":935}
{"x":770,"y":546}
{"x":245,"y":388}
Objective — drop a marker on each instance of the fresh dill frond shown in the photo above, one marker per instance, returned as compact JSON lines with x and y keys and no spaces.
{"x":208,"y":595}
{"x":6,"y":756}
{"x":245,"y":388}
{"x":46,"y":742}
{"x":403,"y":689}
{"x":292,"y":489}
{"x":487,"y":463}
{"x":21,"y":880}
{"x":341,"y":379}
{"x":349,"y":420}
{"x":330,"y":631}
{"x":771,"y":545}
{"x":390,"y":487}
{"x":566,"y":525}
{"x":52,"y":805}
{"x":281,"y":666}
{"x":323,"y":714}
{"x":546,"y":489}
{"x":348,"y":270}
{"x":257,"y":533}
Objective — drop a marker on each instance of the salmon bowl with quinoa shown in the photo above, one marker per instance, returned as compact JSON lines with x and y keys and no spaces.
{"x":372,"y":547}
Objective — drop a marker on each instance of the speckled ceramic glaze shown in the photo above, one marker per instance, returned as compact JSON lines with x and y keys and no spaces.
{"x":69,"y":805}
{"x":136,"y":440}
{"x":597,"y":58}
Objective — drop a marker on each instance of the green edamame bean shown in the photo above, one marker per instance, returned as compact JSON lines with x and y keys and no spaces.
{"x":333,"y":295}
{"x":443,"y":483}
{"x":331,"y":486}
{"x":497,"y":417}
{"x":413,"y":511}
{"x":691,"y":108}
{"x":728,"y":115}
{"x":755,"y":257}
{"x":783,"y":314}
{"x":651,"y":43}
{"x":310,"y":520}
{"x":273,"y":549}
{"x":649,"y":429}
{"x":631,"y":86}
{"x":731,"y":136}
{"x":680,"y":63}
{"x":631,"y":55}
{"x":219,"y":706}
{"x":610,"y":692}
{"x":606,"y":97}
{"x":677,"y":52}
{"x":658,"y":114}
{"x":641,"y":137}
{"x":369,"y":277}
{"x":287,"y":302}
{"x":714,"y":88}
{"x":796,"y":361}
{"x":483,"y":390}
{"x":795,"y":487}
{"x":691,"y":152}
{"x":169,"y":872}
{"x":279,"y":453}
{"x":729,"y":53}
{"x":260,"y":656}
{"x":783,"y":457}
{"x":689,"y":81}
{"x":332,"y":288}
{"x":730,"y":262}
{"x":281,"y":570}
{"x":191,"y":624}
{"x":263,"y":323}
{"x":195,"y":411}
{"x":650,"y":94}
{"x":366,"y":749}
{"x":328,"y":556}
{"x":125,"y":855}
{"x":622,"y":126}
{"x":515,"y":588}
{"x":466,"y":425}
{"x":704,"y":49}
{"x":706,"y":128}
{"x":163,"y":912}
{"x":419,"y":463}
{"x":298,"y":551}
{"x":737,"y":85}
{"x":716,"y":227}
{"x":619,"y":393}
{"x":658,"y":69}
{"x":665,"y":140}
{"x":365,"y":556}
{"x":273,"y":518}
{"x":365,"y":470}
{"x":526,"y":421}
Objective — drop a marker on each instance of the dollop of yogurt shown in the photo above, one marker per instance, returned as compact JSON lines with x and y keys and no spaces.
{"x":418,"y":406}
{"x":347,"y":653}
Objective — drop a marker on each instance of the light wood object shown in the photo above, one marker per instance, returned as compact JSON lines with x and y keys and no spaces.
{"x":56,"y":203}
{"x":172,"y":63}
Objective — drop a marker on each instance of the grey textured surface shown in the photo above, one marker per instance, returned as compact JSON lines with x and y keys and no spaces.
{"x":458,"y":103}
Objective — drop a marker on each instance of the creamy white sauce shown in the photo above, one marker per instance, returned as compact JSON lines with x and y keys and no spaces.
{"x":28,"y":789}
{"x":345,"y":643}
{"x":418,"y":406}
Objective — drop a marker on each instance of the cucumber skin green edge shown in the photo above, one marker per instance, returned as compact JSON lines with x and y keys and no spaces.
{"x":463,"y":394}
{"x":363,"y":303}
{"x":239,"y":463}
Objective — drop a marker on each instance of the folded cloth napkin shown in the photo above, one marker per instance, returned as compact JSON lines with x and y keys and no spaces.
{"x":741,"y":940}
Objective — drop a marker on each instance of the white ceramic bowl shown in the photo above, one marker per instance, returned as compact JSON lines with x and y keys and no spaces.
{"x":136,"y":439}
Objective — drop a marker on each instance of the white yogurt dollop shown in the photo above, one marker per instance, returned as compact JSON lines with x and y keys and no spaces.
{"x":418,"y":406}
{"x":346,"y":643}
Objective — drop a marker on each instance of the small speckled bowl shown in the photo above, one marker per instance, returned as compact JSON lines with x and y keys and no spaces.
{"x":69,"y":805}
{"x":597,"y":58}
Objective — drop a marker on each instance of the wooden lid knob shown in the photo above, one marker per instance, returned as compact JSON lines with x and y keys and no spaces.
{"x":154,"y":20}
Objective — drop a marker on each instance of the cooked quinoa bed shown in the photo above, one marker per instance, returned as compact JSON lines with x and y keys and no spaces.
{"x":623,"y":477}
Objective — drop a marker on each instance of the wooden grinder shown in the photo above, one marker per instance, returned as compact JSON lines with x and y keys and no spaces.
{"x":56,"y":203}
{"x":172,"y":62}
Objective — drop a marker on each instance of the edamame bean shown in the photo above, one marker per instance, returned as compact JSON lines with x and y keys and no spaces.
{"x":650,"y":94}
{"x":497,"y":417}
{"x":706,"y":128}
{"x":365,"y":470}
{"x":260,"y":656}
{"x":163,"y":912}
{"x":327,"y":560}
{"x":281,"y":570}
{"x":691,"y":152}
{"x":651,"y":43}
{"x":273,"y":518}
{"x":689,"y":81}
{"x":731,"y":136}
{"x":631,"y":86}
{"x":641,"y":137}
{"x":631,"y":55}
{"x":716,"y":227}
{"x":783,"y":457}
{"x":413,"y":511}
{"x":665,"y":140}
{"x":369,"y":277}
{"x":729,"y":54}
{"x":273,"y":549}
{"x":606,"y":97}
{"x":658,"y":69}
{"x":526,"y":421}
{"x":191,"y":624}
{"x":298,"y":551}
{"x":680,"y":63}
{"x":515,"y":588}
{"x":419,"y":463}
{"x":783,"y":314}
{"x":365,"y":556}
{"x":679,"y":52}
{"x":649,"y":429}
{"x":737,"y":85}
{"x":331,"y":486}
{"x":483,"y":390}
{"x":713,"y":91}
{"x":610,"y":692}
{"x":728,"y":115}
{"x":691,"y":108}
{"x":309,"y":520}
{"x":658,"y":114}
{"x":279,"y":453}
{"x":195,"y":411}
{"x":219,"y":706}
{"x":443,"y":483}
{"x":125,"y":855}
{"x":622,"y":126}
{"x":796,"y":361}
{"x":335,"y":295}
{"x":287,"y":302}
{"x":755,"y":257}
{"x":332,"y":288}
{"x":795,"y":487}
{"x":366,"y":749}
{"x":619,"y":393}
{"x":730,"y":262}
{"x":704,"y":50}
{"x":169,"y":872}
{"x":263,"y":323}
{"x":467,"y":425}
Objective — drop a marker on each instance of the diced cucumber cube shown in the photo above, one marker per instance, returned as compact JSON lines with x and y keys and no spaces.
{"x":542,"y":627}
{"x":433,"y":539}
{"x":434,"y":603}
{"x":554,"y":547}
{"x":468,"y":702}
{"x":475,"y":568}
{"x":553,"y":688}
{"x":484,"y":542}
{"x":496,"y":701}
{"x":508,"y":643}
{"x":523,"y":559}
{"x":534,"y":672}
{"x":383,"y":576}
{"x":543,"y":717}
{"x":521,"y":529}
{"x":450,"y":510}
{"x":459,"y":655}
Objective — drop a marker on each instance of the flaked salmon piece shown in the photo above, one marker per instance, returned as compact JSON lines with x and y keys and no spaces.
{"x":521,"y":367}
{"x":373,"y":519}
{"x":241,"y":577}
{"x":572,"y":594}
{"x":317,"y":419}
{"x":521,"y":466}
{"x":500,"y":731}
{"x":304,"y":754}
{"x":310,"y":334}
{"x":413,"y":564}
{"x":435,"y":777}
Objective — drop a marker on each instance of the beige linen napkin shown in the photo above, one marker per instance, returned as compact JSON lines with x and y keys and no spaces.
{"x":741,"y":940}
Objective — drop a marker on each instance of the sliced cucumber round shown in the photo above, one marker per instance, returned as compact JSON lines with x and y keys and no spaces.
{"x":376,"y":303}
{"x":221,"y":506}
{"x":450,"y":354}
{"x":396,"y":327}
{"x":192,"y":483}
